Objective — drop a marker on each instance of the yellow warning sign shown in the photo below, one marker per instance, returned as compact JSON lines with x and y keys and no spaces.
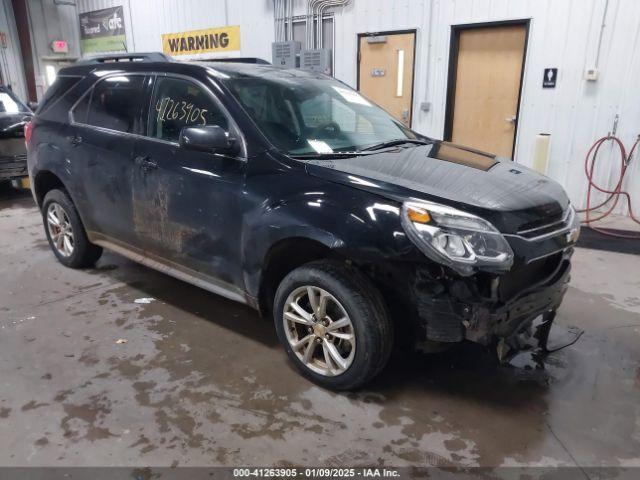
{"x":210,"y":40}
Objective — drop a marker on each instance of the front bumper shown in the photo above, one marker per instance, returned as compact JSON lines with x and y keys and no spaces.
{"x":13,"y":167}
{"x":511,"y":317}
{"x":487,"y":309}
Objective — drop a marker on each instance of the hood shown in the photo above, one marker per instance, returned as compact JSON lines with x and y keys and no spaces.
{"x":511,"y":196}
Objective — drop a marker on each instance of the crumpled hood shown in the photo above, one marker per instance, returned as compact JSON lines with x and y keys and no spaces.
{"x":508,"y":194}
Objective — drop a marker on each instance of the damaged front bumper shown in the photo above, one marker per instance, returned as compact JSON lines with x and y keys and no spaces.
{"x":515,"y":315}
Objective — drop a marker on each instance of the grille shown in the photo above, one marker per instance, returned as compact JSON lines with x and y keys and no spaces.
{"x":18,"y":159}
{"x":538,"y":228}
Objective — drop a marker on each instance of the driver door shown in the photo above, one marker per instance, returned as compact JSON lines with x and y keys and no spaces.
{"x":186,"y":203}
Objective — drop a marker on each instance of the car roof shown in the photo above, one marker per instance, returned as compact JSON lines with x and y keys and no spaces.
{"x":226,"y":69}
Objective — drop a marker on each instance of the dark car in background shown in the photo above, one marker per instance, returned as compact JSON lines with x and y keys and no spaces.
{"x":14,"y":115}
{"x":288,"y":191}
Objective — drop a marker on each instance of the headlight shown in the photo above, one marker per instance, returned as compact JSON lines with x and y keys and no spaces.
{"x":455,"y":238}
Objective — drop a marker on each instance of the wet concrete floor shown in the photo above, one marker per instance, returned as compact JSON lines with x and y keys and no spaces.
{"x":202,"y":381}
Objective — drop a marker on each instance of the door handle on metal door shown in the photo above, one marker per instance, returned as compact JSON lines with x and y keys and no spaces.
{"x":145,"y":163}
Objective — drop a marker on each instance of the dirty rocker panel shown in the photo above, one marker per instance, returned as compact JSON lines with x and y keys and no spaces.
{"x":173,"y":269}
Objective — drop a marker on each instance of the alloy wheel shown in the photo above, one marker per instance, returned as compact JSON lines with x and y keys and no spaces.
{"x":319,"y":330}
{"x":60,"y":229}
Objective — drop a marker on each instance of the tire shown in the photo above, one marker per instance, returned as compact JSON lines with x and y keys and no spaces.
{"x":83,"y":253}
{"x":366,"y":353}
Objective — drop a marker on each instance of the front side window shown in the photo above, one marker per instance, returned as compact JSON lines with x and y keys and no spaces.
{"x":306,"y":114}
{"x":114,"y":103}
{"x":179,"y":103}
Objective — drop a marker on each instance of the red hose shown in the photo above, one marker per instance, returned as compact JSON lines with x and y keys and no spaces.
{"x":615,"y":194}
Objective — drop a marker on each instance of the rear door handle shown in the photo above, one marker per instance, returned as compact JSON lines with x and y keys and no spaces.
{"x":75,"y":140}
{"x":145,"y":163}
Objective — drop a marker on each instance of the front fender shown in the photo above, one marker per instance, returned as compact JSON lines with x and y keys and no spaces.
{"x":356,"y":224}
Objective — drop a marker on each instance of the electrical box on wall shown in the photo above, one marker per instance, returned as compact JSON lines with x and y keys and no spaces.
{"x":316,"y":60}
{"x":285,"y":54}
{"x":591,"y":74}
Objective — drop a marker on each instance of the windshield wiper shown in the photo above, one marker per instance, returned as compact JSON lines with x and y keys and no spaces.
{"x":330,"y":155}
{"x":394,"y":143}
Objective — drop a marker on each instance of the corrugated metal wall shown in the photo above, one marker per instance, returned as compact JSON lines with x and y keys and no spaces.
{"x":563,"y":34}
{"x":12,"y":69}
{"x":147,"y":20}
{"x":51,"y":22}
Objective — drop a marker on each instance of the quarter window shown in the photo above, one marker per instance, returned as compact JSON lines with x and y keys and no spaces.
{"x":114,"y":103}
{"x":179,"y":103}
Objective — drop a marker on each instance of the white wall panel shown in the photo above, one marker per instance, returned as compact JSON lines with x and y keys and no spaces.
{"x":11,"y":59}
{"x":563,"y":34}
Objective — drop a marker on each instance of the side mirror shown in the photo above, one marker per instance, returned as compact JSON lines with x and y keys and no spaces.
{"x":32,"y":105}
{"x":208,"y":138}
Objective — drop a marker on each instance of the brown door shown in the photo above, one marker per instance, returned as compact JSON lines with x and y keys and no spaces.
{"x":385,"y":71}
{"x":486,"y":91}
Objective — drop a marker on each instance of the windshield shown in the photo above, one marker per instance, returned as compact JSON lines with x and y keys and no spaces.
{"x":306,"y":114}
{"x":9,"y":103}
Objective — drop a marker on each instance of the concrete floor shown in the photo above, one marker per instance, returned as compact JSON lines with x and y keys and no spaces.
{"x":202,"y":381}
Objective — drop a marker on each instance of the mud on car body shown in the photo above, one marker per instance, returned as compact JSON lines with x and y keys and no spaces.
{"x":288,"y":191}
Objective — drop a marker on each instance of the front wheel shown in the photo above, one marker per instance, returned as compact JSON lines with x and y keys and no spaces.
{"x":333,"y":324}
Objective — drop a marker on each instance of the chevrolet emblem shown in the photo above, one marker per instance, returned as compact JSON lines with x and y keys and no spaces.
{"x":573,"y":235}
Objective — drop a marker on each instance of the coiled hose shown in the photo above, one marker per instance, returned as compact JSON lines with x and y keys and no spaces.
{"x":615,"y":194}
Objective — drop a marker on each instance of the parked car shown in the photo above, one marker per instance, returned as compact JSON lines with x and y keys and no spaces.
{"x":288,"y":191}
{"x":13,"y":154}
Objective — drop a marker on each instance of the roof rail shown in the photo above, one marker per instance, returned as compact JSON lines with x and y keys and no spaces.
{"x":126,"y":57}
{"x":255,"y":60}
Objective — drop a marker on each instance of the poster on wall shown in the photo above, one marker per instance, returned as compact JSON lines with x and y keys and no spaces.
{"x":103,"y":31}
{"x":212,"y":40}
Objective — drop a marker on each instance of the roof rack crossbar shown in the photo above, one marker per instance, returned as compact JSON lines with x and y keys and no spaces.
{"x":126,"y":57}
{"x":256,"y":60}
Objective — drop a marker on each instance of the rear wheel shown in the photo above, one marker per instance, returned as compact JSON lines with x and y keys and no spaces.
{"x":333,"y":324}
{"x":65,"y":232}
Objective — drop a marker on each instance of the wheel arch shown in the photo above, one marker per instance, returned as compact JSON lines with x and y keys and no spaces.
{"x":44,"y":181}
{"x":283,"y":257}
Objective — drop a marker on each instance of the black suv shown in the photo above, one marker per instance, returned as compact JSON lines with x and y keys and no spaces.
{"x":13,"y":117}
{"x":290,"y":192}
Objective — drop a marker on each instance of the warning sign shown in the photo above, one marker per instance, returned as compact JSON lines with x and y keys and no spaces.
{"x":211,"y":40}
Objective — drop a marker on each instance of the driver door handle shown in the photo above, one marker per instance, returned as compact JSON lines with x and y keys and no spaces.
{"x":145,"y":163}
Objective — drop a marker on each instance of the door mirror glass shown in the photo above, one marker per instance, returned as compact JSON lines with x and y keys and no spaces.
{"x":208,"y":138}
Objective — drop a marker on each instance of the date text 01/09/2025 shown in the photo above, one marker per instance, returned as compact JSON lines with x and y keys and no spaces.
{"x":317,"y":472}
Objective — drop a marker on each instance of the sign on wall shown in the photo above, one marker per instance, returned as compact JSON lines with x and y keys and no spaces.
{"x":211,"y":40}
{"x":103,"y":31}
{"x":550,"y":78}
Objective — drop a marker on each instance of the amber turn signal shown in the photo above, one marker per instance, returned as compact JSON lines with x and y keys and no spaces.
{"x":418,"y":215}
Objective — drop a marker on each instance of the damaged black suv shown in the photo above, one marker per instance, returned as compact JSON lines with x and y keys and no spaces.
{"x":290,"y":192}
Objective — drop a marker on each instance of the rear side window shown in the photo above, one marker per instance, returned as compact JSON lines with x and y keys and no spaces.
{"x":180,"y":103}
{"x":56,"y":91}
{"x":114,"y":103}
